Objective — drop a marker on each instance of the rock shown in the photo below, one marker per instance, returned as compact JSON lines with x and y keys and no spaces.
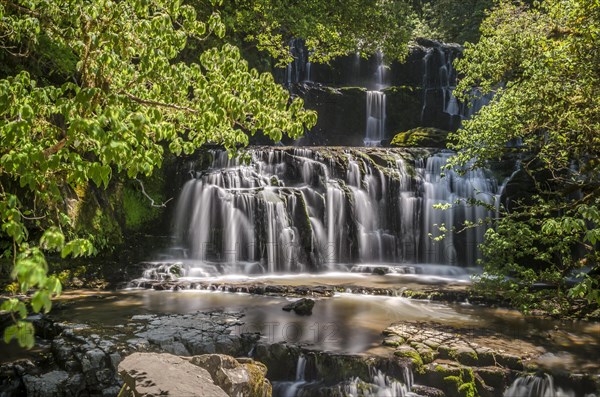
{"x":302,"y":306}
{"x":153,"y":374}
{"x":51,"y":384}
{"x":427,"y":391}
{"x":236,"y":379}
{"x":510,"y":361}
{"x":421,"y":137}
{"x":381,"y":271}
{"x":466,"y":356}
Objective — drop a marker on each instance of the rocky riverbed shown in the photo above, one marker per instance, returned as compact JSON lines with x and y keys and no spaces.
{"x":430,"y":357}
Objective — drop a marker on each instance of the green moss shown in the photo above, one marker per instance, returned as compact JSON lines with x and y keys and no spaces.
{"x":463,"y":384}
{"x":137,"y":209}
{"x":421,"y":137}
{"x":412,"y":354}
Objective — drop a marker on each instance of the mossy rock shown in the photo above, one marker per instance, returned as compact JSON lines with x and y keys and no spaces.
{"x":393,"y":341}
{"x":467,"y":356}
{"x":412,"y":354}
{"x":462,"y":385}
{"x":258,"y":384}
{"x":421,"y":137}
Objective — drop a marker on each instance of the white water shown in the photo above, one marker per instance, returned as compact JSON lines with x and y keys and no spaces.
{"x":376,"y":107}
{"x":375,"y":129}
{"x":380,"y":385}
{"x":537,"y":386}
{"x":299,"y":210}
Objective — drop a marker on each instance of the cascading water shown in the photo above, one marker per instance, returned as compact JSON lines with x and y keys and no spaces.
{"x":290,"y":389}
{"x":375,"y":129}
{"x":439,"y":80}
{"x":376,"y":107}
{"x":537,"y":386}
{"x":379,"y":386}
{"x":295,"y":209}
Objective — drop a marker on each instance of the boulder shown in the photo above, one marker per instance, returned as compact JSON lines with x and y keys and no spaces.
{"x":236,"y":379}
{"x":154,"y":374}
{"x":51,"y":384}
{"x":302,"y":306}
{"x":421,"y":137}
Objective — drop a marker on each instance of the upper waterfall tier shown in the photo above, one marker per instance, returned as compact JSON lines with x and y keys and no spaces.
{"x":300,"y":209}
{"x":418,"y":92}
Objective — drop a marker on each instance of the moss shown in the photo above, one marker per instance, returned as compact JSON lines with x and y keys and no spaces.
{"x":137,"y":209}
{"x":259,"y":386}
{"x":393,"y":341}
{"x":427,"y":355}
{"x":421,"y":137}
{"x":463,"y":384}
{"x":94,"y":217}
{"x":413,"y":355}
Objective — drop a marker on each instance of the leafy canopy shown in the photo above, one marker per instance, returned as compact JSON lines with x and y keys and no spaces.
{"x":119,"y":99}
{"x":541,"y":61}
{"x":330,"y":28}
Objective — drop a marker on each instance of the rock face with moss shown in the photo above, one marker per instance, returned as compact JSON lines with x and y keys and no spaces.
{"x":421,"y":137}
{"x":463,"y":362}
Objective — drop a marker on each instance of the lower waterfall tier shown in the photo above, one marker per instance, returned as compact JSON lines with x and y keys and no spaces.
{"x":297,"y":209}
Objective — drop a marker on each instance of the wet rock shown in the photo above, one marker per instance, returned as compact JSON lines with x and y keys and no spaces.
{"x":427,"y":391}
{"x":510,"y":361}
{"x":465,"y":355}
{"x":51,"y":384}
{"x":11,"y":383}
{"x":302,"y":306}
{"x":381,"y":271}
{"x":153,"y":374}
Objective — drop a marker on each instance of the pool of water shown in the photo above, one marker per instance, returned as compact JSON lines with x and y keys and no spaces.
{"x":349,"y":323}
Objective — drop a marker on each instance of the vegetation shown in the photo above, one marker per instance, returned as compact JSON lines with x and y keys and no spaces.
{"x":541,"y":61}
{"x":449,"y":20}
{"x":330,"y":29}
{"x":93,"y":91}
{"x":96,"y":91}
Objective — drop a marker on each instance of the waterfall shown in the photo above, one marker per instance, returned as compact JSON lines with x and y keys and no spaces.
{"x":290,"y":389}
{"x":536,"y":386}
{"x":298,"y":209}
{"x":299,"y":69}
{"x":376,"y":107}
{"x":380,"y":385}
{"x":375,"y":129}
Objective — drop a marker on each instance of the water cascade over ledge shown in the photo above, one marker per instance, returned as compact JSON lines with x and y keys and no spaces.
{"x":298,"y":210}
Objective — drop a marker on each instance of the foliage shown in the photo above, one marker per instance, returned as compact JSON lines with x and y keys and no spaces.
{"x":541,"y":61}
{"x":122,"y":98}
{"x":450,"y":20}
{"x":331,"y":29}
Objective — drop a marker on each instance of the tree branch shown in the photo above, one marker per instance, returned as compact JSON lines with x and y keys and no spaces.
{"x":150,"y":102}
{"x":152,"y":202}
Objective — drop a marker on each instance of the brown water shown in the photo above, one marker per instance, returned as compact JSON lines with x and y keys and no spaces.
{"x":346,"y":322}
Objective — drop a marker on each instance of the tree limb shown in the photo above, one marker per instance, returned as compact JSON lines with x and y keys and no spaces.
{"x":152,"y":202}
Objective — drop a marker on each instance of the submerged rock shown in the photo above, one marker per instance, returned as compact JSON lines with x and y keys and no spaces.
{"x":302,"y":306}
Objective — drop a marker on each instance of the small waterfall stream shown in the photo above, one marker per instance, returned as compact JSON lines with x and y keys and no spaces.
{"x":379,"y":384}
{"x":376,"y":107}
{"x":538,"y":386}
